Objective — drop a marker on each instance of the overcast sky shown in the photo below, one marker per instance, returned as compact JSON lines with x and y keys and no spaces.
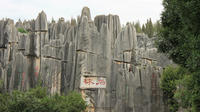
{"x":128,"y":10}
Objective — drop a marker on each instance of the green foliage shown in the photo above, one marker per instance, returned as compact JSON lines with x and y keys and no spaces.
{"x":169,"y":84}
{"x":22,"y":30}
{"x":180,"y":38}
{"x":157,"y":27}
{"x":74,"y":102}
{"x":149,"y":30}
{"x":138,"y":27}
{"x":143,"y":29}
{"x":4,"y":102}
{"x":180,"y":33}
{"x":183,"y":94}
{"x":1,"y":86}
{"x":37,"y":100}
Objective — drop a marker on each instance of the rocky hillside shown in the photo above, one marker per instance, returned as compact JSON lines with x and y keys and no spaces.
{"x":57,"y":54}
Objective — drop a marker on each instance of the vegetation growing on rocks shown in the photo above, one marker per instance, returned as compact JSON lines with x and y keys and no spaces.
{"x":37,"y":100}
{"x":149,"y":28}
{"x":22,"y":30}
{"x":174,"y":81}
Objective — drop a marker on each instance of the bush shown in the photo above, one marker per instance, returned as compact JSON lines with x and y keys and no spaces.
{"x":22,"y":30}
{"x":172,"y":81}
{"x":180,"y":38}
{"x":37,"y":100}
{"x":168,"y":86}
{"x":1,"y":86}
{"x":183,"y":93}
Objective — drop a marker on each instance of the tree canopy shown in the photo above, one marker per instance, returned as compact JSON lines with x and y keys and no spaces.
{"x":138,"y":27}
{"x":37,"y":100}
{"x":174,"y":83}
{"x":149,"y":28}
{"x":180,"y":39}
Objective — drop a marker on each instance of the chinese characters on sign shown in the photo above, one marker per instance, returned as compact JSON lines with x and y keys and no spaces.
{"x":92,"y":82}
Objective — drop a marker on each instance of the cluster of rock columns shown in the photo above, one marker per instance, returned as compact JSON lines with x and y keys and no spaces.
{"x":56,"y":55}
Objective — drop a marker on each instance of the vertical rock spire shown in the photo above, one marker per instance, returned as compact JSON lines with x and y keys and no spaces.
{"x":59,"y":54}
{"x":41,"y":22}
{"x":86,"y":12}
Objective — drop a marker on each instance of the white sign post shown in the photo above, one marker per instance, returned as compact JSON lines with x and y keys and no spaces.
{"x":89,"y":82}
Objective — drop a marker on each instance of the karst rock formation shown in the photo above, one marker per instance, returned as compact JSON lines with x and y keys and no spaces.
{"x":57,"y":54}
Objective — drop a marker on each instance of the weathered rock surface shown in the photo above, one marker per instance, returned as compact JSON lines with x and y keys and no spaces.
{"x":58,"y":54}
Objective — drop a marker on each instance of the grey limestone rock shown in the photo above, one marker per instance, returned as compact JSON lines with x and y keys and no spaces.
{"x":41,"y":22}
{"x":19,"y":24}
{"x":86,"y":12}
{"x":33,"y":44}
{"x":57,"y":54}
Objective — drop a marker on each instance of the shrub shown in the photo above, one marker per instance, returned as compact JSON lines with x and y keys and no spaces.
{"x":37,"y":100}
{"x":172,"y":79}
{"x":22,"y":30}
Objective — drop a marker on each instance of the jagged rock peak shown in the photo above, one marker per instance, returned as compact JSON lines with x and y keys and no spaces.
{"x":41,"y":22}
{"x":61,"y":19}
{"x":69,"y":51}
{"x":113,"y":22}
{"x":19,"y":24}
{"x":86,"y":12}
{"x":53,"y":21}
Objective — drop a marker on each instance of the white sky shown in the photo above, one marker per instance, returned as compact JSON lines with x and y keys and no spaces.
{"x":128,"y":10}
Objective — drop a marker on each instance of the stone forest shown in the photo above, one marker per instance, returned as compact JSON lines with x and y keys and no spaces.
{"x":59,"y":54}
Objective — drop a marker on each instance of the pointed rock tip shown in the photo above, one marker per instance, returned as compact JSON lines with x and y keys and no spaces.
{"x":42,"y":13}
{"x":41,"y":22}
{"x":86,"y":12}
{"x":128,"y":24}
{"x":61,"y":19}
{"x":19,"y":20}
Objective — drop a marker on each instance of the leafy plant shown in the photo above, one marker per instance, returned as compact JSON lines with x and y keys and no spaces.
{"x":168,"y":86}
{"x":183,"y":94}
{"x":172,"y":86}
{"x":1,"y":86}
{"x":22,"y":30}
{"x":180,"y":38}
{"x":37,"y":100}
{"x":138,"y":27}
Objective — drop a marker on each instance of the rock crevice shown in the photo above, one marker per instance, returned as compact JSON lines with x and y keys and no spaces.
{"x":57,"y":54}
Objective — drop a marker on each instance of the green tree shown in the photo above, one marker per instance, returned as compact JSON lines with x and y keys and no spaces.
{"x":1,"y":86}
{"x":138,"y":27}
{"x":180,"y":38}
{"x":37,"y":100}
{"x":149,"y":28}
{"x":183,"y":92}
{"x":173,"y":82}
{"x":143,"y":28}
{"x":22,"y":30}
{"x":168,"y":85}
{"x":157,"y":27}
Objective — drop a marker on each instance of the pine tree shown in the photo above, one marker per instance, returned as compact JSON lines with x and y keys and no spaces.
{"x":157,"y":27}
{"x":180,"y":38}
{"x":149,"y":28}
{"x":138,"y":27}
{"x":143,"y":28}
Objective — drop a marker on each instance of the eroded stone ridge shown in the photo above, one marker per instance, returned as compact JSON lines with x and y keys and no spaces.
{"x":57,"y":54}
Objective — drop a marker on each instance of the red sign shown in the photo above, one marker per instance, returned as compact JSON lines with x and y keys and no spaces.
{"x":92,"y":82}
